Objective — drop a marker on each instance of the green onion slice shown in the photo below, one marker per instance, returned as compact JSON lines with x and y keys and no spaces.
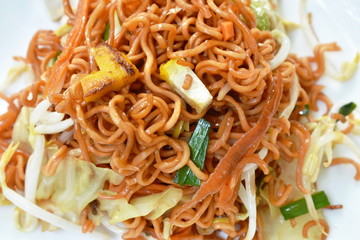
{"x":305,"y":111}
{"x":299,"y":207}
{"x":106,"y":32}
{"x":198,"y":145}
{"x":347,"y":108}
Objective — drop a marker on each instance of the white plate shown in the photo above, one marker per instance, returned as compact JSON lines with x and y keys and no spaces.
{"x":333,"y":21}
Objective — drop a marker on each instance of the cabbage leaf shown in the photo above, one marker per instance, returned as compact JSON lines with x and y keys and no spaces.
{"x":151,"y":206}
{"x":278,"y":229}
{"x":21,"y":131}
{"x":75,"y":184}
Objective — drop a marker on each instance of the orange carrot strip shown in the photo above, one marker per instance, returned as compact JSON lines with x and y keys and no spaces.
{"x":57,"y":77}
{"x":227,"y":29}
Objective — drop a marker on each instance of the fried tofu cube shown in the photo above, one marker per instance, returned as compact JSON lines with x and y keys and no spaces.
{"x":194,"y":92}
{"x":116,"y":71}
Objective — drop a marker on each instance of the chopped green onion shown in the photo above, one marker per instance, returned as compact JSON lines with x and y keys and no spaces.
{"x":347,"y":108}
{"x":198,"y":145}
{"x":106,"y":32}
{"x":262,"y":18}
{"x":299,"y":207}
{"x":53,"y":60}
{"x":305,"y":111}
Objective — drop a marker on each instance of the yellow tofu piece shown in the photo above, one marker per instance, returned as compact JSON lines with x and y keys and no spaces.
{"x":116,"y":71}
{"x":197,"y":95}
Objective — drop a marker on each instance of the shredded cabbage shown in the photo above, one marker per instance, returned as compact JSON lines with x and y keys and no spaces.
{"x":75,"y":184}
{"x":288,"y":25}
{"x":29,"y":128}
{"x":261,"y":8}
{"x":68,"y":197}
{"x":266,"y":12}
{"x":151,"y":206}
{"x":284,"y":50}
{"x":167,"y":229}
{"x":294,"y":95}
{"x":348,"y":69}
{"x":274,"y":212}
{"x":21,"y":130}
{"x":276,"y":228}
{"x":5,"y":158}
{"x":14,"y":74}
{"x":64,"y":29}
{"x":279,"y":229}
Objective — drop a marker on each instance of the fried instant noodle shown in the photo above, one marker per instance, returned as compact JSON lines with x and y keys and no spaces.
{"x":133,"y":128}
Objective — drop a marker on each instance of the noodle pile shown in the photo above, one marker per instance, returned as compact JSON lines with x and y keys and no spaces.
{"x":134,"y":127}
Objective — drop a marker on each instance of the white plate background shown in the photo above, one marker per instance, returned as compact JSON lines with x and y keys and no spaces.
{"x":333,"y":20}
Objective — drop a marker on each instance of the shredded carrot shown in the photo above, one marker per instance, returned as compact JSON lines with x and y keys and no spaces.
{"x":57,"y":77}
{"x":332,"y":207}
{"x":227,"y":29}
{"x":293,"y":222}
